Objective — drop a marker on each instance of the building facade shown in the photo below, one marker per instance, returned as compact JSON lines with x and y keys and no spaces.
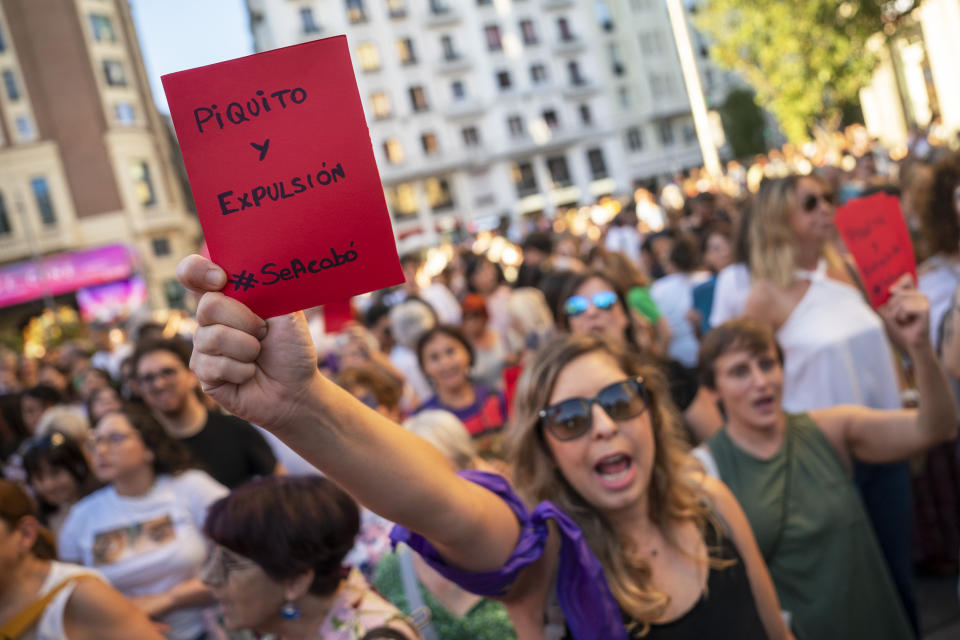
{"x":484,"y":108}
{"x":85,"y":159}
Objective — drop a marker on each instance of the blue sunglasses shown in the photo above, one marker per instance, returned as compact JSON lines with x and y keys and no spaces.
{"x":575,"y":305}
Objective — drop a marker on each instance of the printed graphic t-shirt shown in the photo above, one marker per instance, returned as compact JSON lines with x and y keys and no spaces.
{"x":146,"y":544}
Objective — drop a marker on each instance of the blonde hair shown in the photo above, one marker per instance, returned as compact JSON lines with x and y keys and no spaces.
{"x":772,"y":253}
{"x":446,"y":432}
{"x":673,"y":492}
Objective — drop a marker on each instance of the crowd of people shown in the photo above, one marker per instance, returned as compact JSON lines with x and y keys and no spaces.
{"x":698,"y":428}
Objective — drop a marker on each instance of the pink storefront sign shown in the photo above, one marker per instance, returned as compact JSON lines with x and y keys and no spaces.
{"x":63,"y":273}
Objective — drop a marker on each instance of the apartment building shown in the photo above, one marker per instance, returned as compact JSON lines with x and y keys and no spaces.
{"x":85,"y":160}
{"x":484,"y":108}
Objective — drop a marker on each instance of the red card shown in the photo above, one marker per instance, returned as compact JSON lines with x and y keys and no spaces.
{"x":876,"y":234}
{"x":336,"y":315}
{"x":281,"y":166}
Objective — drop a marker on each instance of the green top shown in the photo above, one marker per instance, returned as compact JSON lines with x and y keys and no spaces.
{"x":827,"y":566}
{"x":639,"y":298}
{"x":487,"y":620}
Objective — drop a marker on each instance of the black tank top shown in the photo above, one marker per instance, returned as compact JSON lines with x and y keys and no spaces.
{"x":725,"y":611}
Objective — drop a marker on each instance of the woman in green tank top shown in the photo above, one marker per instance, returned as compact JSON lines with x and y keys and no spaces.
{"x":792,"y":472}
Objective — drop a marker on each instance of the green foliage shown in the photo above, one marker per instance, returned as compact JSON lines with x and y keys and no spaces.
{"x":743,"y":123}
{"x":806,"y":59}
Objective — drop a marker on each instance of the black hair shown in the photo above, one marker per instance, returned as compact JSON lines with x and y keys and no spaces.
{"x":442,"y":330}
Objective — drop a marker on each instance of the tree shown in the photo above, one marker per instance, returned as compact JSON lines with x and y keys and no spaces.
{"x":806,"y":59}
{"x":743,"y":123}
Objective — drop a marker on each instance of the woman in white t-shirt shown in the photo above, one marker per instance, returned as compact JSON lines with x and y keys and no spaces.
{"x":143,"y":531}
{"x":74,"y":602}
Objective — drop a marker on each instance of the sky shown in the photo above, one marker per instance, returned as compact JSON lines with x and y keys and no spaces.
{"x":182,"y":34}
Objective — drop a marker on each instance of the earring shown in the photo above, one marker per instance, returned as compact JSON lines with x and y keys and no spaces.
{"x":290,"y":611}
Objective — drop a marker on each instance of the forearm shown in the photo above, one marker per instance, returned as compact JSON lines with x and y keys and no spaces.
{"x":188,"y":594}
{"x":401,"y":477}
{"x":937,"y":416}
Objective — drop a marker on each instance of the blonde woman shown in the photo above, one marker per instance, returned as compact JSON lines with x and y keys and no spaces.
{"x":835,"y":347}
{"x":634,"y":541}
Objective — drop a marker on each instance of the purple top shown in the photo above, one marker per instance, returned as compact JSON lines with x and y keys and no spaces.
{"x":585,"y":598}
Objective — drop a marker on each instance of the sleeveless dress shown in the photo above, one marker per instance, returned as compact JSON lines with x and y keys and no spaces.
{"x":50,"y":625}
{"x":815,"y":536}
{"x":836,"y":352}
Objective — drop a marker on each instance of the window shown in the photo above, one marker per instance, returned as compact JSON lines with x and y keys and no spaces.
{"x":3,"y":44}
{"x":402,"y":200}
{"x":397,"y":9}
{"x":623,"y":93}
{"x":418,"y":98}
{"x":449,"y":51}
{"x":355,"y":12}
{"x":689,"y":134}
{"x":538,"y":73}
{"x":142,"y":184}
{"x":484,"y":3}
{"x":393,"y":150}
{"x":10,"y":83}
{"x":161,"y":247}
{"x":529,"y":31}
{"x":369,"y":56}
{"x":563,"y":27}
{"x":102,"y":28}
{"x":616,"y":60}
{"x":458,"y":89}
{"x":573,"y":71}
{"x":380,"y":104}
{"x":429,"y":143}
{"x":559,"y":172}
{"x":586,"y":117}
{"x":405,"y":51}
{"x":438,"y":193}
{"x":41,"y":193}
{"x":550,"y":119}
{"x":492,"y":34}
{"x":124,"y":114}
{"x":503,"y":80}
{"x":114,"y":73}
{"x":652,"y":43}
{"x":25,"y":130}
{"x":307,"y":21}
{"x":5,"y":227}
{"x":598,"y":166}
{"x":471,"y":136}
{"x":439,"y":7}
{"x":524,"y":179}
{"x":604,"y":19}
{"x":515,"y":124}
{"x":634,"y":139}
{"x":665,"y":130}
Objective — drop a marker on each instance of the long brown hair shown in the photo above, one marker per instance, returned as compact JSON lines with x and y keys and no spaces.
{"x":14,"y":506}
{"x":673,"y":493}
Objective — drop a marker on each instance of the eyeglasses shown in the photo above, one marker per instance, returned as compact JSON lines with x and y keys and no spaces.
{"x":220,"y":565}
{"x":575,"y":305}
{"x":111,"y":439}
{"x":165,"y":374}
{"x":573,"y":417}
{"x":811,"y":200}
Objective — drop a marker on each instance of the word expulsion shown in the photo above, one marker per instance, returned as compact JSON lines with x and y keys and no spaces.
{"x":279,"y":190}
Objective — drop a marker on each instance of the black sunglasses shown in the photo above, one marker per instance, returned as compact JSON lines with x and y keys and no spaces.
{"x":811,"y":200}
{"x":573,"y":417}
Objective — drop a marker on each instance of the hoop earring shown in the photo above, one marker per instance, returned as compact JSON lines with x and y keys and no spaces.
{"x":290,"y":611}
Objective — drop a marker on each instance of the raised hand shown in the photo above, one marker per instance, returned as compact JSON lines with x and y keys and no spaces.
{"x":907,"y":314}
{"x":258,"y":370}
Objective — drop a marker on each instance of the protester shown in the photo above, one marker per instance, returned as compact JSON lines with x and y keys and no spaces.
{"x":939,"y":274}
{"x":408,"y":321}
{"x":278,"y":564}
{"x":143,"y":529}
{"x":36,"y":400}
{"x":59,"y":475}
{"x":717,"y":256}
{"x":791,"y":473}
{"x":673,"y":295}
{"x":226,"y":447}
{"x":626,"y":483}
{"x":835,"y":348}
{"x":101,"y":402}
{"x":43,"y":599}
{"x":490,"y":352}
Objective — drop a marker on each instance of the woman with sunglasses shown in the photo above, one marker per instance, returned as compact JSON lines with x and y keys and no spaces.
{"x":637,"y":536}
{"x":594,"y":304}
{"x":835,"y":347}
{"x":143,"y":530}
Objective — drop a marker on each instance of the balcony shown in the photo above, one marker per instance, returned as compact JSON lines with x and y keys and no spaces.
{"x":580,"y":88}
{"x":442,"y":17}
{"x":557,"y":4}
{"x":454,"y":63}
{"x":569,"y":45}
{"x":465,"y":108}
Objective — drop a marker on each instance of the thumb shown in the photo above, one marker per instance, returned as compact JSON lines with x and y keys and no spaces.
{"x":200,"y":275}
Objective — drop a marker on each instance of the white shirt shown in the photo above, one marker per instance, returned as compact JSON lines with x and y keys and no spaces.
{"x":50,"y":625}
{"x":146,"y":544}
{"x":730,"y":293}
{"x":674,"y":297}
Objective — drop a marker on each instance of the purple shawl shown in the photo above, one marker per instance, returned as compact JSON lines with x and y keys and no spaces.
{"x":585,"y":598}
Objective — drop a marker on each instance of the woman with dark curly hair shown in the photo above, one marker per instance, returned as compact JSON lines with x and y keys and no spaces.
{"x":59,"y":475}
{"x":278,"y":565}
{"x":143,"y":530}
{"x":939,"y":274}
